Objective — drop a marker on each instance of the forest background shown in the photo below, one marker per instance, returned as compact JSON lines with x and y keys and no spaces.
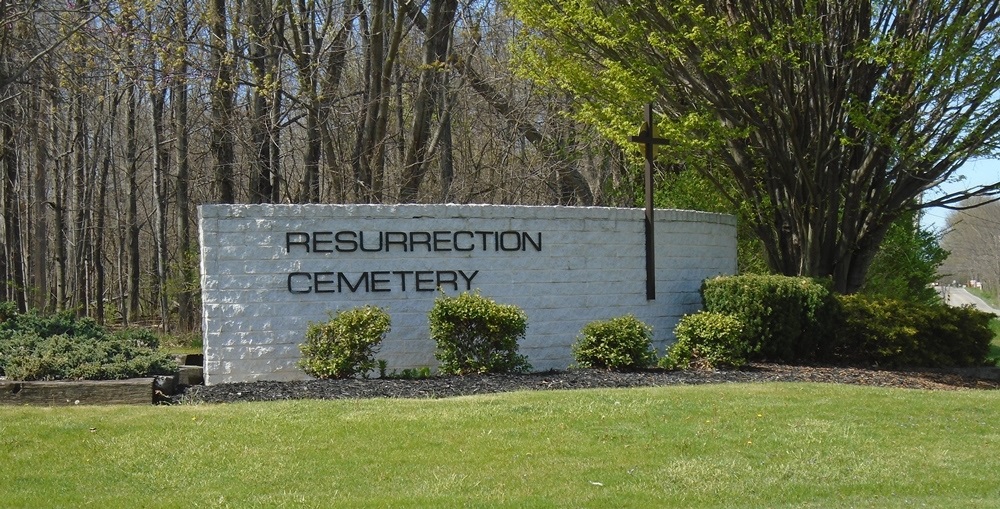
{"x":118,"y":118}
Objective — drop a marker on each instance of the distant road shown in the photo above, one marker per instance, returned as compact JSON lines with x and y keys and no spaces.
{"x":961,"y":297}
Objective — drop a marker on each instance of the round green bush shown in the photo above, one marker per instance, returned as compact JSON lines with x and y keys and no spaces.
{"x":345,"y":345}
{"x":474,"y":334}
{"x":619,"y":343}
{"x":786,"y":319}
{"x":707,"y":340}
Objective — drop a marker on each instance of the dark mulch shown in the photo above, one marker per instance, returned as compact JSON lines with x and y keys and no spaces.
{"x":450,"y":386}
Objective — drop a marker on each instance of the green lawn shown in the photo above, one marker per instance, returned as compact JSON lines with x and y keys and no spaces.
{"x":766,"y":445}
{"x":990,"y":298}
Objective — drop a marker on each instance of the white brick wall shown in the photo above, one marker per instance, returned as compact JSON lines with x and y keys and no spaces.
{"x":591,"y":266}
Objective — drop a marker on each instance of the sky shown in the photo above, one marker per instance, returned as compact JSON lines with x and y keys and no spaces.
{"x":985,"y":171}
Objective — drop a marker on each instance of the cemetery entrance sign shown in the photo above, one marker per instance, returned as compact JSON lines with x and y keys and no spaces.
{"x":267,"y":271}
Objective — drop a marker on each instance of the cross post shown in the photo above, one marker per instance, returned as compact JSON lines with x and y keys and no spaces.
{"x":649,"y":141}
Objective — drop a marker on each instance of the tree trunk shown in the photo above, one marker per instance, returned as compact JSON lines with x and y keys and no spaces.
{"x":265,"y":75}
{"x":304,"y":49}
{"x":430,"y":96}
{"x":59,"y":206}
{"x":275,"y":139}
{"x":382,"y":46}
{"x":13,"y":255}
{"x":311,"y":158}
{"x":334,"y":72}
{"x":223,"y":89}
{"x":160,"y":204}
{"x":374,"y":50}
{"x":81,"y":220}
{"x":100,"y":215}
{"x":277,"y":93}
{"x":132,"y":277}
{"x":179,"y":95}
{"x":39,"y":248}
{"x":445,"y":152}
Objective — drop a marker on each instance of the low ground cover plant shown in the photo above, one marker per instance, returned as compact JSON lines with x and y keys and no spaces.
{"x":345,"y":345}
{"x":475,"y":334}
{"x":620,"y":343}
{"x":60,"y":346}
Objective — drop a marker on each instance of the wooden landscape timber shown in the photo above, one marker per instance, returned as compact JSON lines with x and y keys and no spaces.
{"x":132,"y":391}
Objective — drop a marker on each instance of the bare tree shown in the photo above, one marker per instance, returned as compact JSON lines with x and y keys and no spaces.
{"x":39,"y":241}
{"x":149,"y":109}
{"x":430,"y":95}
{"x":160,"y":162}
{"x":382,"y":31}
{"x":133,"y":275}
{"x":304,"y":43}
{"x":972,"y":237}
{"x":266,"y":90}
{"x":179,"y":94}
{"x":13,"y":255}
{"x":223,"y":116}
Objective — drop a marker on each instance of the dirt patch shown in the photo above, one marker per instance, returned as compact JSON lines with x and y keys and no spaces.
{"x":450,"y":386}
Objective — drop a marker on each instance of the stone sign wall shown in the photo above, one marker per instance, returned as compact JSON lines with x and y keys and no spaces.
{"x":269,"y":270}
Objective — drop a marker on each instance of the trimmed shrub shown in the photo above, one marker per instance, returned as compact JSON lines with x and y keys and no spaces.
{"x":619,"y":343}
{"x":788,"y":319}
{"x":707,"y":340}
{"x":61,"y":347}
{"x":892,"y":333}
{"x":345,"y":345}
{"x":476,"y":335}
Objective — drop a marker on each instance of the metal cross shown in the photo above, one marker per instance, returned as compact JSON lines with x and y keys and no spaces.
{"x":646,"y":138}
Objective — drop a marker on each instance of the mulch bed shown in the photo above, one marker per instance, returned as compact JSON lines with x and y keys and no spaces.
{"x":451,"y":386}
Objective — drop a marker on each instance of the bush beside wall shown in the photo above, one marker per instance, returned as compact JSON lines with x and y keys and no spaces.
{"x":787,"y":319}
{"x":619,"y":343}
{"x":797,"y":320}
{"x":707,"y":340}
{"x":891,"y":333}
{"x":345,"y":345}
{"x":474,"y":334}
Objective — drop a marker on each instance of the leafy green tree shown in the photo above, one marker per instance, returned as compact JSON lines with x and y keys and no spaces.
{"x":822,"y":119}
{"x":906,"y":264}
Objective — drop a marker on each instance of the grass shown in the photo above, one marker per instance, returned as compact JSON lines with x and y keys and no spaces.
{"x":988,"y":297}
{"x":181,"y":343}
{"x":764,"y":445}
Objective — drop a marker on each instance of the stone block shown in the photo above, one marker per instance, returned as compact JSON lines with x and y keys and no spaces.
{"x":190,"y":375}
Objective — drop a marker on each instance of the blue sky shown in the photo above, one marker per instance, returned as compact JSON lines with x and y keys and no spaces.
{"x":984,"y":171}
